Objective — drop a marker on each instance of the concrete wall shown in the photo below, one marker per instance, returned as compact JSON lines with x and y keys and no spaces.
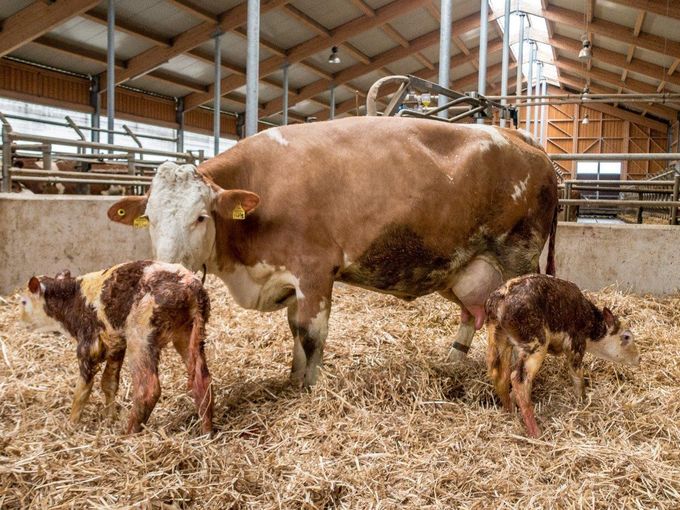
{"x":639,"y":258}
{"x":43,"y":234}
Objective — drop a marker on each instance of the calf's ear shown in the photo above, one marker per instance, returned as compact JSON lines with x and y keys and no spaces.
{"x":609,"y":318}
{"x":125,"y":211}
{"x":235,"y":203}
{"x":34,"y":285}
{"x":63,"y":274}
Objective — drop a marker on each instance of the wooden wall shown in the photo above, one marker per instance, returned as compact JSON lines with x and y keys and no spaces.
{"x":37,"y":85}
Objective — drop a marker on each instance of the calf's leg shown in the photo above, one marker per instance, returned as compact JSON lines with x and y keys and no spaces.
{"x":110,"y":381}
{"x":146,"y":388}
{"x":88,"y":369}
{"x":530,"y":358}
{"x":498,"y":358}
{"x":575,"y":366}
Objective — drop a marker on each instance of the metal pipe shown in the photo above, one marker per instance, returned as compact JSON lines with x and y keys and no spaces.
{"x":544,"y":115}
{"x":659,"y":204}
{"x":6,"y":158}
{"x":96,"y":104}
{"x":217,"y":100}
{"x":638,"y":156}
{"x":520,"y":59}
{"x":56,"y":180}
{"x":179,"y":114}
{"x":537,"y":88}
{"x":331,"y":115}
{"x":483,"y":39}
{"x":111,"y":68}
{"x":676,"y":192}
{"x":285,"y":94}
{"x":506,"y":58}
{"x":653,"y":184}
{"x":31,"y":172}
{"x":252,"y":66}
{"x":666,"y":97}
{"x":444,"y":52}
{"x":530,"y":82}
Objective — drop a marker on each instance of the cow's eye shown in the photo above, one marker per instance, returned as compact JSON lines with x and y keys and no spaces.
{"x":23,"y":302}
{"x":201,"y":218}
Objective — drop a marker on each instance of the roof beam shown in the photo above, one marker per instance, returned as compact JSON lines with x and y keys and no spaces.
{"x":37,"y":19}
{"x":392,"y":55}
{"x":636,"y":86}
{"x":576,"y":84}
{"x":364,"y":7}
{"x":195,"y":10}
{"x":657,"y":72}
{"x":668,"y":8}
{"x":188,"y":40}
{"x":608,"y":29}
{"x":314,"y":45}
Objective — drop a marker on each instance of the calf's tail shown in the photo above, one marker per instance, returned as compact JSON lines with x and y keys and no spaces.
{"x":550,"y":266}
{"x":199,"y":377}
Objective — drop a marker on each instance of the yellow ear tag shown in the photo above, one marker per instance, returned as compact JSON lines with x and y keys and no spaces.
{"x":120,"y":212}
{"x":141,"y":222}
{"x":238,"y":213}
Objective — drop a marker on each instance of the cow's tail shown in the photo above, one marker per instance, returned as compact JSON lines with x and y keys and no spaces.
{"x":550,"y":266}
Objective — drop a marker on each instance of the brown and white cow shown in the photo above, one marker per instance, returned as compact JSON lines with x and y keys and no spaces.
{"x":537,"y":315}
{"x":136,"y":307}
{"x":402,"y":206}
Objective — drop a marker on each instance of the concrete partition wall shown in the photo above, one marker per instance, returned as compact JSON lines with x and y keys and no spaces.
{"x":638,"y":258}
{"x":43,"y":234}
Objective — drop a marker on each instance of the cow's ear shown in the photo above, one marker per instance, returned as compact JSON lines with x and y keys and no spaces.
{"x":63,"y":274}
{"x":34,"y":285}
{"x":235,"y":204}
{"x":125,"y":211}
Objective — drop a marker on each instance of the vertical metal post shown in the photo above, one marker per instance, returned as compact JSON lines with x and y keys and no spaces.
{"x":506,"y":58}
{"x":332,"y":105}
{"x":252,"y":66}
{"x":530,"y":82}
{"x":47,"y":157}
{"x":444,"y":53}
{"x":567,"y":195}
{"x":544,"y":114}
{"x":483,"y":38}
{"x":6,"y":159}
{"x":537,"y":92}
{"x":217,"y":87}
{"x":179,"y":117}
{"x":676,"y":192}
{"x":95,"y":103}
{"x":285,"y":94}
{"x":111,"y":68}
{"x":520,"y":57}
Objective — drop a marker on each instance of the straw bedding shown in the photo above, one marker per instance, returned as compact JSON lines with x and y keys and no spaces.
{"x":389,"y":425}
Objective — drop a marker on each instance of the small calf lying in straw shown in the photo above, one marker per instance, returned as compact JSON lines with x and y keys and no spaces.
{"x":538,"y":314}
{"x":139,"y":307}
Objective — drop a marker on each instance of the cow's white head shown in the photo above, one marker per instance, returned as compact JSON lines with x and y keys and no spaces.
{"x":181,"y":210}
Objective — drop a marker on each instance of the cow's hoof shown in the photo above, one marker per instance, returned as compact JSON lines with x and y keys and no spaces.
{"x":456,"y":356}
{"x":297,"y":380}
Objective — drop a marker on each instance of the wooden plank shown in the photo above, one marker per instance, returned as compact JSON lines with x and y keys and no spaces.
{"x":364,"y":7}
{"x":669,"y":8}
{"x":37,"y":19}
{"x":128,"y":27}
{"x":195,"y":10}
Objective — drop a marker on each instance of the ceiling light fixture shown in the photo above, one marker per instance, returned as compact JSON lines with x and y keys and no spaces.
{"x":586,"y":52}
{"x":585,"y":120}
{"x":334,"y":58}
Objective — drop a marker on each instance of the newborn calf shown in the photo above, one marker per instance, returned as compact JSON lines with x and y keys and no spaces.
{"x":139,"y":307}
{"x":538,"y":314}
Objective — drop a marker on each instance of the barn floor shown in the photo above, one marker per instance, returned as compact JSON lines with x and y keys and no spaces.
{"x":390,"y":424}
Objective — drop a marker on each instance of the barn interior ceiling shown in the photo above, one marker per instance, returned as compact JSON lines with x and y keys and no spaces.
{"x":166,"y":47}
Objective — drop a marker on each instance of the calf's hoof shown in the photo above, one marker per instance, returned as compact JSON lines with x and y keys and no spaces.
{"x":456,"y":354}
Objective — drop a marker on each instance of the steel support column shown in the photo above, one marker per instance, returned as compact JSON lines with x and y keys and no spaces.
{"x":483,"y":38}
{"x":218,"y":95}
{"x":444,"y":53}
{"x":111,"y":68}
{"x":96,"y":104}
{"x":530,"y":78}
{"x":285,"y":94}
{"x":544,"y":115}
{"x":520,"y":58}
{"x":537,"y":91}
{"x":252,"y":66}
{"x":331,"y":116}
{"x":179,"y":113}
{"x":506,"y":57}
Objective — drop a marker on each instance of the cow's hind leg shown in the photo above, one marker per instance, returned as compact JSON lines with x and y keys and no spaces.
{"x":308,"y":321}
{"x":498,"y":360}
{"x":529,"y":361}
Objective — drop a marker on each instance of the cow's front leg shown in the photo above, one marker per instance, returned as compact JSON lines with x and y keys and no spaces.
{"x":308,"y":321}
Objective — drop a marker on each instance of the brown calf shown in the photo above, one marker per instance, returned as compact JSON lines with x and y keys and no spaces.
{"x":138,"y":307}
{"x":538,"y":314}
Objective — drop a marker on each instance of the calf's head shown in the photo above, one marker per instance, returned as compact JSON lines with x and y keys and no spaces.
{"x":617,"y":344}
{"x":34,"y":305}
{"x":184,"y":209}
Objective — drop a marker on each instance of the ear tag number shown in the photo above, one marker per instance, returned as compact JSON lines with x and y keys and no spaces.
{"x":238,"y":213}
{"x":141,"y":222}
